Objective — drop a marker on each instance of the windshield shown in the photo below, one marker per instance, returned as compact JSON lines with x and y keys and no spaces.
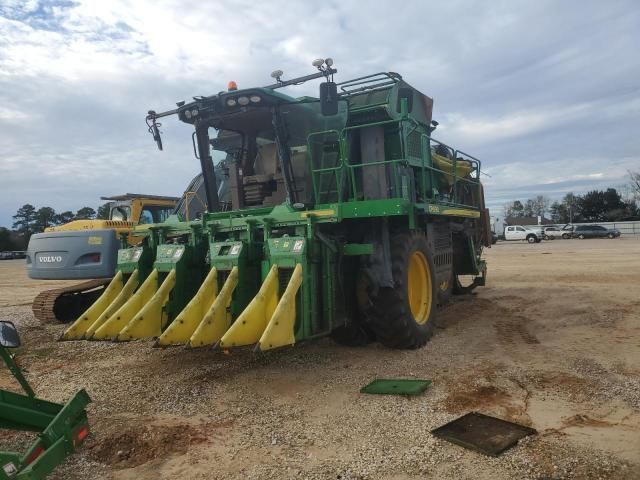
{"x":259,"y":143}
{"x":120,"y":213}
{"x":151,"y":214}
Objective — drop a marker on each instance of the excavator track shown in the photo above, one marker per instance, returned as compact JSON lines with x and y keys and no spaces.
{"x":63,"y":305}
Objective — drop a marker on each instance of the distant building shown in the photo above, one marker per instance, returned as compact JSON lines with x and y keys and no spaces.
{"x":527,"y":221}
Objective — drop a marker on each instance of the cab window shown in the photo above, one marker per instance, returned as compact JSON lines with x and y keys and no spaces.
{"x":163,"y":214}
{"x":155,"y":214}
{"x":120,"y":213}
{"x":146,"y":216}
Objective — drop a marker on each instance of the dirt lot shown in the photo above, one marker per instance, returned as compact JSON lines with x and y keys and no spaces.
{"x":553,"y":342}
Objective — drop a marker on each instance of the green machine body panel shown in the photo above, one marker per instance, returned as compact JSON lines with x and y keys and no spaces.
{"x":237,"y":253}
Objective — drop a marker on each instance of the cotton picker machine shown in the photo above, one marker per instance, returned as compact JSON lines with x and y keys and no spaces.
{"x":344,"y":218}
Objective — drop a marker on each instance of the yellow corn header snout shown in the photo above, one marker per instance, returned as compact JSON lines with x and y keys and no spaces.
{"x":123,"y":313}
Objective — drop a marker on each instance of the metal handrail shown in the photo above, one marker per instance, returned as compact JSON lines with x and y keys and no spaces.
{"x":336,"y":169}
{"x":376,"y":81}
{"x":344,"y":163}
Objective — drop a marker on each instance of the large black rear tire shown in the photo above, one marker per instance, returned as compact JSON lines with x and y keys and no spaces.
{"x":403,"y":316}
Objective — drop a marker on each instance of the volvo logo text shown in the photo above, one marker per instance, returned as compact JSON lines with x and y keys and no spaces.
{"x":50,"y":259}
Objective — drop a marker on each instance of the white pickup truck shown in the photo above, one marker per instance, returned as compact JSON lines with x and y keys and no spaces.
{"x":530,"y":234}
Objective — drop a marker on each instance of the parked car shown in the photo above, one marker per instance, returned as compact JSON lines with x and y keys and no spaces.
{"x":551,"y":233}
{"x":12,"y":255}
{"x":517,"y":232}
{"x":594,"y":231}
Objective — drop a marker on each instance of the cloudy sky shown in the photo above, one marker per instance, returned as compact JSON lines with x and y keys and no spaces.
{"x":546,"y":94}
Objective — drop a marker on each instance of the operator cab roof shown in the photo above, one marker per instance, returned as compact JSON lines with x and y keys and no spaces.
{"x":134,"y":196}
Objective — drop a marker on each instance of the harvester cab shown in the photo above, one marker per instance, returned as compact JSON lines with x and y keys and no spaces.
{"x":62,"y":428}
{"x":343,"y":216}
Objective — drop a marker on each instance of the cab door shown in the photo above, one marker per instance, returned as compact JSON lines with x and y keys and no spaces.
{"x":521,"y":233}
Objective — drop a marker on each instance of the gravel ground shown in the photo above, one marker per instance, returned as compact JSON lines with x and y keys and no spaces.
{"x":550,"y":342}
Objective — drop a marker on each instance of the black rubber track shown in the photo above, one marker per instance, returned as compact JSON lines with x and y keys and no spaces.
{"x":391,"y":318}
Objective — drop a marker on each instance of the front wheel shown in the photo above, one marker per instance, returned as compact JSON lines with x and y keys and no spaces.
{"x":531,"y":239}
{"x":611,"y":235}
{"x":403,"y":315}
{"x":581,"y":237}
{"x":566,"y":236}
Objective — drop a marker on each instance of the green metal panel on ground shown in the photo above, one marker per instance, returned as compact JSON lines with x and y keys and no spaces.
{"x":386,"y":386}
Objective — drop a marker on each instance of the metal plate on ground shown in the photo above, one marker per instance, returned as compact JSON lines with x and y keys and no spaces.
{"x":391,"y":386}
{"x":485,"y":434}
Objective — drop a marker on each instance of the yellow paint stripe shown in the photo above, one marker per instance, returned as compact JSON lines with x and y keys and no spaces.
{"x":458,"y":212}
{"x":318,"y":213}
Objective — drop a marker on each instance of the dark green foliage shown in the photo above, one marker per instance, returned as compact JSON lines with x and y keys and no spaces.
{"x":45,"y":217}
{"x":85,"y":213}
{"x":103,"y":211}
{"x":24,"y":219}
{"x":604,"y":206}
{"x":531,"y":208}
{"x":6,"y":243}
{"x":594,"y":206}
{"x":64,"y":217}
{"x":634,"y":184}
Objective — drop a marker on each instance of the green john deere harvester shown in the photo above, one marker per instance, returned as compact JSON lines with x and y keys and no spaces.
{"x":61,"y":428}
{"x":341,"y":215}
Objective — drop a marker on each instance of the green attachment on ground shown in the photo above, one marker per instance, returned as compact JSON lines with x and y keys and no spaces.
{"x":396,"y":386}
{"x":62,"y":428}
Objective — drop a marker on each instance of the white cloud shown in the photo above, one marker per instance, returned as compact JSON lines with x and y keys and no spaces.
{"x":522,"y":89}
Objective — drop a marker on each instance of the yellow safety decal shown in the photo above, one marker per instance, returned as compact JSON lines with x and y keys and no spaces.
{"x":150,"y":320}
{"x":217,"y":320}
{"x":94,"y":240}
{"x":459,"y":212}
{"x":181,"y":329}
{"x":77,"y":330}
{"x":279,"y":331}
{"x":318,"y":213}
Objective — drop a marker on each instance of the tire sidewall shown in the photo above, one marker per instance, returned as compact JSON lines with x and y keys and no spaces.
{"x":391,"y":319}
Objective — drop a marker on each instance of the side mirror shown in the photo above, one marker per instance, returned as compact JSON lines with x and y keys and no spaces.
{"x":8,"y":335}
{"x":328,"y":98}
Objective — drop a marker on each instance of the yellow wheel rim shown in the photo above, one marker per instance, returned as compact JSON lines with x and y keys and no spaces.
{"x":419,"y":288}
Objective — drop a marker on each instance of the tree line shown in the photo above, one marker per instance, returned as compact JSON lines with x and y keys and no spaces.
{"x":594,"y":206}
{"x":29,"y":220}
